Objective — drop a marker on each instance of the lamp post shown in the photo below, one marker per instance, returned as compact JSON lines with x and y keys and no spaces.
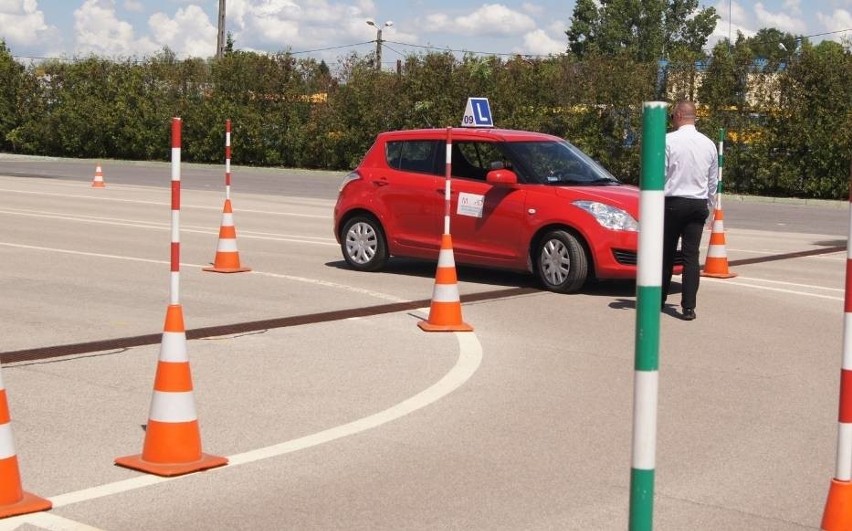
{"x":220,"y":34}
{"x":371,"y":22}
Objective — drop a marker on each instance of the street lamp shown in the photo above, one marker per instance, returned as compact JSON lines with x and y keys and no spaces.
{"x":371,"y":22}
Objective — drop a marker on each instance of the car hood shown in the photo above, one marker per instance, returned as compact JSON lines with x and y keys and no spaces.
{"x":625,"y":197}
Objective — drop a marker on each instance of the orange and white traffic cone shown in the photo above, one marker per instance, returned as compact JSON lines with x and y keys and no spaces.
{"x":172,"y":438}
{"x":227,"y":256}
{"x":98,"y":181}
{"x":13,"y":499}
{"x":445,"y":311}
{"x":838,"y":507}
{"x":716,"y":263}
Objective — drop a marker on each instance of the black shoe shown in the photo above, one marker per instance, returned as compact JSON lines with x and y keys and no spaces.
{"x":688,"y":314}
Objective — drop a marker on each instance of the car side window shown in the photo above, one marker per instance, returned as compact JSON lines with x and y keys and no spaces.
{"x":414,"y":155}
{"x":473,"y":160}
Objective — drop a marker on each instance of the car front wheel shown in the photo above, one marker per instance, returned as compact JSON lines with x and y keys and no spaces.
{"x":363,"y":244}
{"x":561,"y":263}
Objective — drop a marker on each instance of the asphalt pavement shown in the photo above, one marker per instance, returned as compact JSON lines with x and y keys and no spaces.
{"x":342,"y":414}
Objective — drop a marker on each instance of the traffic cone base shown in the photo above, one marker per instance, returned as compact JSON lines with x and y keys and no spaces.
{"x":426,"y":326}
{"x":206,"y":462}
{"x":218,"y":268}
{"x":838,"y":507}
{"x":29,"y":503}
{"x":718,"y":275}
{"x":445,"y":310}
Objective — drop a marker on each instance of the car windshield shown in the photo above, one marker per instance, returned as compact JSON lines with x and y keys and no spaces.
{"x":557,"y":163}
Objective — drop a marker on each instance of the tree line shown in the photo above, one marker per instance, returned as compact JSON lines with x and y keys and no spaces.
{"x":786,"y":110}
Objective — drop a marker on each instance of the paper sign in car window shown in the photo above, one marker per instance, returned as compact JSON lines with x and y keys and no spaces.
{"x":470,"y":205}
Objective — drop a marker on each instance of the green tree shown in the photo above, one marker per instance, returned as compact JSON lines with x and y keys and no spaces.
{"x":645,"y":29}
{"x":11,"y":81}
{"x":773,"y":45}
{"x":811,"y":133}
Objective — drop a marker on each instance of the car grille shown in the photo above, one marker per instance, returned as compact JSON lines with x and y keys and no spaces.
{"x":624,"y":257}
{"x":629,"y":257}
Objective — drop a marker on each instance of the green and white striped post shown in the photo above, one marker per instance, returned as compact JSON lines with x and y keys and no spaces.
{"x":648,"y":299}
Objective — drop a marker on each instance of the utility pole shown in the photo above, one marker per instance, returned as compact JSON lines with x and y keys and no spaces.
{"x":220,"y":36}
{"x":387,"y":24}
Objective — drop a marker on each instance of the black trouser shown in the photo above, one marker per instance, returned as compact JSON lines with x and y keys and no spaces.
{"x":684,"y":221}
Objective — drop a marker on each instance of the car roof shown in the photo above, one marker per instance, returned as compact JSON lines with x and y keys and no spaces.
{"x":468,"y":133}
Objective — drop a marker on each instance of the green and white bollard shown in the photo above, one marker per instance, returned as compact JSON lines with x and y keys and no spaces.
{"x":648,"y":297}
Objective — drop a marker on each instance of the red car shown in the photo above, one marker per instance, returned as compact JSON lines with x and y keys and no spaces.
{"x":520,"y":200}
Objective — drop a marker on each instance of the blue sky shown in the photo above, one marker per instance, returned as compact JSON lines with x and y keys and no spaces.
{"x":330,"y":29}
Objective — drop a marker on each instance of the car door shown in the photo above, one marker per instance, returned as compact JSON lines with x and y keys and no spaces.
{"x":408,"y":196}
{"x":487,"y":221}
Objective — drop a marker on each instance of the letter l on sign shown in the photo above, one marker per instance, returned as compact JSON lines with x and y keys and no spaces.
{"x":477,"y":113}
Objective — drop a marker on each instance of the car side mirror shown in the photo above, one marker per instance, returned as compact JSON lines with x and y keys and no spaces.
{"x":504,"y":177}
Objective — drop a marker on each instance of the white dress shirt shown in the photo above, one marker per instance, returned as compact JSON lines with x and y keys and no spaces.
{"x":692,"y":165}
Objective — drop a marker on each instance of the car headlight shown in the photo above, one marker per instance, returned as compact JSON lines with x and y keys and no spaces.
{"x":354,"y":176}
{"x":609,"y":216}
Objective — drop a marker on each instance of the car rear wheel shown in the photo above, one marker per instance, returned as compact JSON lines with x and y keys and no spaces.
{"x":561,"y":263}
{"x":363,"y":244}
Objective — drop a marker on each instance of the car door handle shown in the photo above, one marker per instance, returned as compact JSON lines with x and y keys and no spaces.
{"x":381,"y":182}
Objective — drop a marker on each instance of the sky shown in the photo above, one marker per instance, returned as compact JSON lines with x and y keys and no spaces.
{"x":331,"y":29}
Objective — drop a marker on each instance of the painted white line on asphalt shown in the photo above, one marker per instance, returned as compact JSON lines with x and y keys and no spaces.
{"x":305,"y":280}
{"x":785,"y":283}
{"x":467,"y":363}
{"x":771,"y":252}
{"x":46,"y":520}
{"x":166,"y":203}
{"x":165,"y":226}
{"x":737,"y":283}
{"x":139,"y":224}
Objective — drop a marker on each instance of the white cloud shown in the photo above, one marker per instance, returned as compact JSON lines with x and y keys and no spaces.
{"x":793,"y":6}
{"x":22,"y":24}
{"x":782,"y":20}
{"x":99,"y":31}
{"x":134,"y":6}
{"x":189,"y":33}
{"x":840,"y":19}
{"x":733,"y":19}
{"x":532,"y":9}
{"x":494,"y":19}
{"x":540,"y":43}
{"x":275,"y":25}
{"x":488,"y":20}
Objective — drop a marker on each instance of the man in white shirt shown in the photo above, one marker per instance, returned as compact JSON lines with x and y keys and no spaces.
{"x":692,"y":173}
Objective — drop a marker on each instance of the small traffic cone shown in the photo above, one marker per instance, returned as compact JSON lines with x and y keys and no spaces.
{"x":838,"y":507}
{"x":98,"y":181}
{"x":13,"y":499}
{"x":227,"y":256}
{"x":716,"y":263}
{"x":445,"y":310}
{"x":172,"y":438}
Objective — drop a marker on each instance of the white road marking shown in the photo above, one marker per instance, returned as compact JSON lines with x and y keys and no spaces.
{"x":139,"y":224}
{"x":739,"y":283}
{"x":46,"y":520}
{"x":467,"y":363}
{"x":305,"y":280}
{"x":165,"y":202}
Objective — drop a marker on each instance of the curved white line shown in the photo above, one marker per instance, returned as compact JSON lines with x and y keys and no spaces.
{"x":470,"y":357}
